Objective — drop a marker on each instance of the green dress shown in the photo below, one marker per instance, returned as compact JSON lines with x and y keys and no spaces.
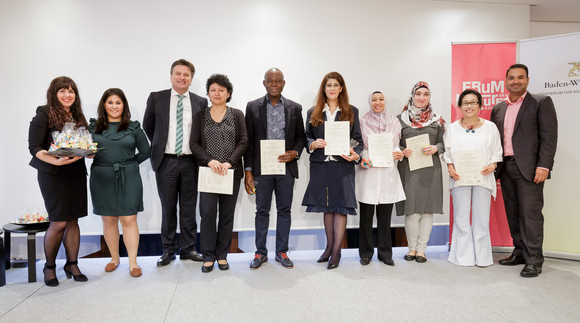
{"x":116,"y":187}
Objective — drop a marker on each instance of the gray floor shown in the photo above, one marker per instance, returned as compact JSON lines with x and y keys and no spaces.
{"x":409,"y":292}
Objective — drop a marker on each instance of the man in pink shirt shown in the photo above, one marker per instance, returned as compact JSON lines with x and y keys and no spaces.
{"x":529,"y":131}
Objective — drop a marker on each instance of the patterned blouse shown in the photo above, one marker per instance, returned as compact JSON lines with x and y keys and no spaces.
{"x":220,"y":136}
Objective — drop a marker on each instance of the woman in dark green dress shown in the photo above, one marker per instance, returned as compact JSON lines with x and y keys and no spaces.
{"x":116,"y":187}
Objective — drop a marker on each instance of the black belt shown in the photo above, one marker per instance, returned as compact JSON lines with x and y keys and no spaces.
{"x":510,"y":158}
{"x":182,"y":156}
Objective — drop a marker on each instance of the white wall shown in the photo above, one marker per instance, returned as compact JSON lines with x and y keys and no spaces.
{"x":541,"y":28}
{"x":386,"y":45}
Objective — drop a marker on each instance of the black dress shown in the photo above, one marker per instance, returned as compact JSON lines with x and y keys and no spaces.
{"x":63,"y":188}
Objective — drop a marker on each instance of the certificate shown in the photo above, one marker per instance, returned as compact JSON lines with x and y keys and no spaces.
{"x":418,"y":159}
{"x":337,"y":137}
{"x":210,"y":182}
{"x":381,"y":149}
{"x":269,"y":152}
{"x":468,"y":165}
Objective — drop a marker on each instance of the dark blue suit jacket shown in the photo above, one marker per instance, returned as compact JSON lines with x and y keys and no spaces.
{"x":156,"y":121}
{"x":313,"y":133}
{"x":535,"y":134}
{"x":257,"y":126}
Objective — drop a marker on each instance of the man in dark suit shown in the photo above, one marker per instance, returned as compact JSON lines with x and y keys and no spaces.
{"x":273,"y":117}
{"x":529,"y":131}
{"x":167,"y":123}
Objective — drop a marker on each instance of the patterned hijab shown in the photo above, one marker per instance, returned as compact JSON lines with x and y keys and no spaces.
{"x":376,"y":123}
{"x":419,"y":118}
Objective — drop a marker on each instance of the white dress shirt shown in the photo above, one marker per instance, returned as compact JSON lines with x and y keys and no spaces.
{"x":187,"y":121}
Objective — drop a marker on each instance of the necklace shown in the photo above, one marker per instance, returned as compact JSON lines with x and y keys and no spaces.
{"x":472,"y":127}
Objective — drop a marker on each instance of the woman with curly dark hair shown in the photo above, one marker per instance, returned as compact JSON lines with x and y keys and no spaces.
{"x":116,"y":187}
{"x":62,"y":181}
{"x":218,"y":140}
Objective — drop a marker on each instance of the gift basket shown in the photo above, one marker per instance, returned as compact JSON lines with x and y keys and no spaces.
{"x":71,"y":142}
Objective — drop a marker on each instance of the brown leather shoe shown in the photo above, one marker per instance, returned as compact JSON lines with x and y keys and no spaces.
{"x":136,"y":272}
{"x":111,"y":267}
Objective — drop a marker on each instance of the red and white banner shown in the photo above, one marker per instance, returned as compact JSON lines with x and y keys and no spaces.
{"x":482,"y":67}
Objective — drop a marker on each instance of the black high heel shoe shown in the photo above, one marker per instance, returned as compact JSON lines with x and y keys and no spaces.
{"x":53,"y":282}
{"x":78,"y":278}
{"x":323,"y":258}
{"x":333,"y":262}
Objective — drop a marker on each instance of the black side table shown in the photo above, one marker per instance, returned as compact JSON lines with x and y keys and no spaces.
{"x":31,"y":230}
{"x":2,"y":262}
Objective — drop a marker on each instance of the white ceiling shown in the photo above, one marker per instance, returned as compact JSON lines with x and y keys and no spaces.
{"x":543,"y":10}
{"x":556,"y":11}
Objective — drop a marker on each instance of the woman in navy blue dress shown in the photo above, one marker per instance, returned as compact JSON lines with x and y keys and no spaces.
{"x":331,"y":187}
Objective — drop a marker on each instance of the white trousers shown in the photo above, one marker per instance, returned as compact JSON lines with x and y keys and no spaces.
{"x":418,"y":230}
{"x":471,"y":244}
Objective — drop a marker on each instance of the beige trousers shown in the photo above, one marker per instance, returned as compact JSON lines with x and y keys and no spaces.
{"x":418,"y":229}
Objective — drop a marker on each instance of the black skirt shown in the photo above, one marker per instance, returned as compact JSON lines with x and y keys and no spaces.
{"x":331,"y":188}
{"x":65,"y":197}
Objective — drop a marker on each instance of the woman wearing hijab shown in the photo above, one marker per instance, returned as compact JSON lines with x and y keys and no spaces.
{"x":378,"y":187}
{"x":424,"y":186}
{"x":471,"y":244}
{"x":331,"y":186}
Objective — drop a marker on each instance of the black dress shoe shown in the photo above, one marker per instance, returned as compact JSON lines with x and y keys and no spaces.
{"x":409,"y":257}
{"x":165,"y":259}
{"x":531,"y":271}
{"x":512,"y":261}
{"x":389,"y":262}
{"x":365,"y":261}
{"x":207,"y":269}
{"x":420,"y":259}
{"x":225,"y":266}
{"x":192,"y":255}
{"x":258,"y":261}
{"x":331,"y":265}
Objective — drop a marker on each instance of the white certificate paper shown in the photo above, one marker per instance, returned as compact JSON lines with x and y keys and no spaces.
{"x":337,"y":137}
{"x":418,"y":159}
{"x":210,"y":182}
{"x":381,"y":149}
{"x":269,"y":152}
{"x":468,"y":165}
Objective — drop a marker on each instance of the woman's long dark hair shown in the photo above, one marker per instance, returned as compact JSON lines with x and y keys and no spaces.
{"x":103,"y":118}
{"x":57,"y":116}
{"x":346,"y":113}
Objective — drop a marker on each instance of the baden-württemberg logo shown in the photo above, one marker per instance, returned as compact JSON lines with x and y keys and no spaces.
{"x":575,"y":71}
{"x":564,"y":86}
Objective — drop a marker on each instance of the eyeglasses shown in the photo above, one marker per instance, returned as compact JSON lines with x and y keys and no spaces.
{"x":466,"y":104}
{"x":330,"y":85}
